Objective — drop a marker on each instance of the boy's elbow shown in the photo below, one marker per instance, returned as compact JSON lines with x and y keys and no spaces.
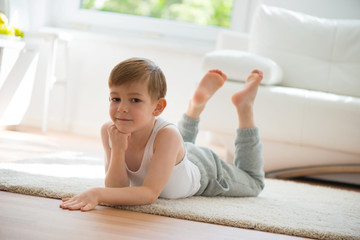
{"x":152,"y":199}
{"x":110,"y":183}
{"x":151,"y":196}
{"x":106,"y":182}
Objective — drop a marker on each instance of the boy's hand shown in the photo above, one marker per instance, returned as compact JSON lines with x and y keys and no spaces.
{"x":84,"y":201}
{"x":118,"y":139}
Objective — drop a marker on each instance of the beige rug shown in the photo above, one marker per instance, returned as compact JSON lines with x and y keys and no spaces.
{"x":283,"y":207}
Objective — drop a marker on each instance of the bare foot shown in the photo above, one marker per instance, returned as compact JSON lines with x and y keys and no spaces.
{"x":208,"y":85}
{"x":244,"y":99}
{"x":248,"y":94}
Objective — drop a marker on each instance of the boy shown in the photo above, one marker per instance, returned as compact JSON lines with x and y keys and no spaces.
{"x":148,"y":157}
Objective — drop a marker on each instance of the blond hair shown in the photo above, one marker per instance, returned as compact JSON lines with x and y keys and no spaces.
{"x":140,"y":70}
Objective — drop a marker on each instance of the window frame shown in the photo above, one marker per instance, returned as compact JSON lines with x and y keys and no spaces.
{"x":68,"y":14}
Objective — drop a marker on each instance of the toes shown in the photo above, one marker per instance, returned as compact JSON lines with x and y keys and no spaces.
{"x":218,"y":72}
{"x":256,"y":75}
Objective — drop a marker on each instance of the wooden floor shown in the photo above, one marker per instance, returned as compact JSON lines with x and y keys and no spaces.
{"x":25,"y":217}
{"x":28,"y":217}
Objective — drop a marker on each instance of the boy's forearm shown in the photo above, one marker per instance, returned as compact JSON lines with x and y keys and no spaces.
{"x":116,"y":174}
{"x":126,"y":195}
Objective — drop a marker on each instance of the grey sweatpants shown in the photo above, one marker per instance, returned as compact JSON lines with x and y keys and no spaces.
{"x":243,"y":179}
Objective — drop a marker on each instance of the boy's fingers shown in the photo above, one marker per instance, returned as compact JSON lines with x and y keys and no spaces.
{"x":69,"y":203}
{"x":77,"y":206}
{"x":87,"y":207}
{"x":109,"y":128}
{"x":72,"y":205}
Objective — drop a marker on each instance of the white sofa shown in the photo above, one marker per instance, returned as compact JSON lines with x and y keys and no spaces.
{"x":308,"y":107}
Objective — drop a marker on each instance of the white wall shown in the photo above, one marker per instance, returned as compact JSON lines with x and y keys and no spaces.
{"x":81,"y":103}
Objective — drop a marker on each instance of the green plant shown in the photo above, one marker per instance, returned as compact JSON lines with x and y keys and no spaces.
{"x":204,"y":12}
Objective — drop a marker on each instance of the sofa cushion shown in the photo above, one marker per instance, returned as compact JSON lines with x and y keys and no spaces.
{"x":237,"y":65}
{"x":314,"y":53}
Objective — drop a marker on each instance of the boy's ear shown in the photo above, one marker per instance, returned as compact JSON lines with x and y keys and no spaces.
{"x":160,"y":106}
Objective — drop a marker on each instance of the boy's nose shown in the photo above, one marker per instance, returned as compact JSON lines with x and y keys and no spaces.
{"x":122,"y":107}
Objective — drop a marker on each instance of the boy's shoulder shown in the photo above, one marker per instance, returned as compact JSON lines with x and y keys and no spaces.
{"x":168,"y":132}
{"x":164,"y":126}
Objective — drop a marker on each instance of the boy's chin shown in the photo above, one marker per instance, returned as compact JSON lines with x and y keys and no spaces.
{"x":123,"y":129}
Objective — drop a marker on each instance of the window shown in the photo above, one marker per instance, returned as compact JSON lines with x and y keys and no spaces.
{"x":202,"y":12}
{"x":193,"y":23}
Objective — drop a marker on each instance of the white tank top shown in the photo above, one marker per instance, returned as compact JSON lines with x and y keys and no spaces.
{"x":185,"y":178}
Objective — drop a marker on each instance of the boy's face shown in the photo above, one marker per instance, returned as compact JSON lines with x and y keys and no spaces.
{"x":131,"y":107}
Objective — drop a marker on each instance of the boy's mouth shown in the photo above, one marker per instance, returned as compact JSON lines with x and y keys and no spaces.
{"x":122,"y":119}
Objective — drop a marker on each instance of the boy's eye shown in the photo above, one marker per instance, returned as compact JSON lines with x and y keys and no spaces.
{"x":135,"y":100}
{"x":115,"y":99}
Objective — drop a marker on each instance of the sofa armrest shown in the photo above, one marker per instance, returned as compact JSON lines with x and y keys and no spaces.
{"x":233,"y":40}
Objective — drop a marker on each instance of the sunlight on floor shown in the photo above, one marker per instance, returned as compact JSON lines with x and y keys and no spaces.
{"x":58,"y":165}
